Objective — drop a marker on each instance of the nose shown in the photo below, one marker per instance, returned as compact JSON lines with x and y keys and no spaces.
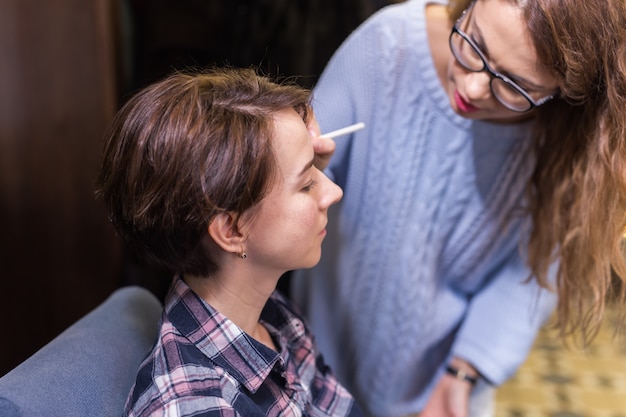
{"x":477,"y":85}
{"x":332,"y":193}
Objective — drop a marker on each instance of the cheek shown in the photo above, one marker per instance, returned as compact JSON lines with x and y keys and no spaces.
{"x":303,"y":221}
{"x":454,"y":74}
{"x":306,"y":224}
{"x":450,"y":68}
{"x":453,"y":77}
{"x":291,"y":226}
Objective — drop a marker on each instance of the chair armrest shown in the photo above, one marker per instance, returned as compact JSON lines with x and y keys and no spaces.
{"x":89,"y":368}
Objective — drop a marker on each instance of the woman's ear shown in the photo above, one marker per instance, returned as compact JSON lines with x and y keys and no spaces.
{"x":224,"y":233}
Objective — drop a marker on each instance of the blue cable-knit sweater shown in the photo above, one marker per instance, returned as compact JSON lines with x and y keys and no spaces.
{"x":416,"y":266}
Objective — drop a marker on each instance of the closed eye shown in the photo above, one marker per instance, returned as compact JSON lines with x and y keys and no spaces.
{"x":309,"y":186}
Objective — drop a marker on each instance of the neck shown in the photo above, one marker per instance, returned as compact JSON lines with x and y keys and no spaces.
{"x":239,"y":294}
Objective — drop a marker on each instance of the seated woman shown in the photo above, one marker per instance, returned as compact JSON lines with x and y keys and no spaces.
{"x":212,"y":176}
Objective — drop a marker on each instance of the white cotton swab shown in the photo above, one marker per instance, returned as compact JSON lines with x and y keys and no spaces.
{"x":344,"y":130}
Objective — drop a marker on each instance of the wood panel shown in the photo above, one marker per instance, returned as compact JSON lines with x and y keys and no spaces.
{"x":59,"y":255}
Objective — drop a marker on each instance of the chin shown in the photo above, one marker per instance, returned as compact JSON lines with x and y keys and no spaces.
{"x":312,"y":261}
{"x":472,"y":116}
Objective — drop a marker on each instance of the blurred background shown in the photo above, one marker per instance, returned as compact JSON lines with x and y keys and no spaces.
{"x":65,"y":68}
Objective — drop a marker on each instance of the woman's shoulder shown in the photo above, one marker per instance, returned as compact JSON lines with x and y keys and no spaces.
{"x":392,"y":39}
{"x":159,"y":386}
{"x":397,"y":16}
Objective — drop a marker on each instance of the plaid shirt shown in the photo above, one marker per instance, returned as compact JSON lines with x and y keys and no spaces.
{"x":204,"y":365}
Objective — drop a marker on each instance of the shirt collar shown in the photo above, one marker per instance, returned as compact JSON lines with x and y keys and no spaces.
{"x":222,"y":341}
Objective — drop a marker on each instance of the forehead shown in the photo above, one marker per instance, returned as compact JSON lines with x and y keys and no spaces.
{"x":501,"y":29}
{"x":291,"y":142}
{"x":501,"y":22}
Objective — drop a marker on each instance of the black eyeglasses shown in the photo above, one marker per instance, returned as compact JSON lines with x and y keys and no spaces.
{"x":505,"y":90}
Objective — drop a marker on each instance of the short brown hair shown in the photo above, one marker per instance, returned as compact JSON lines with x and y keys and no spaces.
{"x":187,"y":148}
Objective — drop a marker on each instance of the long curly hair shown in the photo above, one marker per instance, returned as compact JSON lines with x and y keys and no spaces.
{"x":577,"y":192}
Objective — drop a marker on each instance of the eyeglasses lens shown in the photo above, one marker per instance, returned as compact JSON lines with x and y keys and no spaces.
{"x":466,"y":54}
{"x":509,"y":96}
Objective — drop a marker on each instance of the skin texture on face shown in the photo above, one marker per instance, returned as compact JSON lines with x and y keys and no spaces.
{"x":499,"y":29}
{"x":285,"y":231}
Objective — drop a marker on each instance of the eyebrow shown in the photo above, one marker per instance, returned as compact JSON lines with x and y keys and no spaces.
{"x":307,"y":166}
{"x":519,"y":80}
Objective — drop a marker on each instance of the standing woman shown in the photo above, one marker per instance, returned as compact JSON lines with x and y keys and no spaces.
{"x":488,"y":188}
{"x":212,"y":176}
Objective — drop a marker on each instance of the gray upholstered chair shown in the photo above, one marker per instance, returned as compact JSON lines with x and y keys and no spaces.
{"x":88,"y":369}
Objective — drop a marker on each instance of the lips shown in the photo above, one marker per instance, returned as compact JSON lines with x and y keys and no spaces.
{"x":463,"y":105}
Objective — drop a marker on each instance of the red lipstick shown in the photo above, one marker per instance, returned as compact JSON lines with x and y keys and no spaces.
{"x":463,"y":105}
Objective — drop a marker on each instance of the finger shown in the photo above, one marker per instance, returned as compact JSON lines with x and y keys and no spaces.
{"x":313,"y":127}
{"x":323,"y":146}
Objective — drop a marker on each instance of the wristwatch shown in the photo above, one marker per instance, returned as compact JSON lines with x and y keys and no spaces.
{"x":461,"y":375}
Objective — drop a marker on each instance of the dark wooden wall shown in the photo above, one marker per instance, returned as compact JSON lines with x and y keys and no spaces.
{"x":59,"y":258}
{"x":288,"y":37}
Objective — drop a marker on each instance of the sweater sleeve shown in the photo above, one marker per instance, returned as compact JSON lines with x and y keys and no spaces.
{"x":503,"y":320}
